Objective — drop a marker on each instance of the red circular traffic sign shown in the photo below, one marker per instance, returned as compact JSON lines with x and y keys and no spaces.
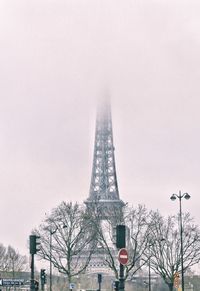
{"x":123,"y":256}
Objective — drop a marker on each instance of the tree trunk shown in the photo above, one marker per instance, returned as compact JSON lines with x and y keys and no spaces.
{"x":171,"y":286}
{"x":69,"y":281}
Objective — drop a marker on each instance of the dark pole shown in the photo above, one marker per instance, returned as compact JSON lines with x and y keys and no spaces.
{"x":42,"y":279}
{"x":50,"y":249}
{"x":120,"y":244}
{"x":173,"y":197}
{"x":99,"y":286}
{"x":149,"y":275}
{"x":121,"y":278}
{"x":99,"y":276}
{"x":32,"y":287}
{"x":181,"y":234}
{"x":50,"y":254}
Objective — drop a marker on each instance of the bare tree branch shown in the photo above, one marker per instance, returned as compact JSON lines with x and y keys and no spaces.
{"x":67,"y":239}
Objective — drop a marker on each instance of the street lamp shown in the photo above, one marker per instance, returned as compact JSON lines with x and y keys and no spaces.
{"x":149,"y":274}
{"x":51,"y":232}
{"x":151,"y":244}
{"x":173,"y":198}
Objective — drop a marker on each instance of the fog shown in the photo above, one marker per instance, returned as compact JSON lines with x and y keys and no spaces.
{"x":56,"y":59}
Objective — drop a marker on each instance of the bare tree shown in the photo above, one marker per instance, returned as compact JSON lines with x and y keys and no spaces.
{"x":138,"y":227}
{"x":104,"y":219}
{"x":14,"y":261}
{"x":139,"y":224}
{"x":164,"y":249}
{"x":3,"y":264}
{"x":67,"y":239}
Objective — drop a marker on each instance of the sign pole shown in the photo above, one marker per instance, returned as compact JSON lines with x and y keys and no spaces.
{"x":121,"y":277}
{"x":123,"y":254}
{"x":123,"y":260}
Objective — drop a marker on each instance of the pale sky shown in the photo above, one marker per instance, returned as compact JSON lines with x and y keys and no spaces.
{"x":56,"y":58}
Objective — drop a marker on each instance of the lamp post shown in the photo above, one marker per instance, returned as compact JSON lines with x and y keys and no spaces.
{"x":173,"y":198}
{"x":51,"y":232}
{"x":151,"y":244}
{"x":149,"y":274}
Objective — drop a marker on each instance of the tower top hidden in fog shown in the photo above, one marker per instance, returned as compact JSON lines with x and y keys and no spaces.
{"x":104,"y":186}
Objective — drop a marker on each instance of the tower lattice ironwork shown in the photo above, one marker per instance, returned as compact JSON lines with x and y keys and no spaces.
{"x":104,"y":186}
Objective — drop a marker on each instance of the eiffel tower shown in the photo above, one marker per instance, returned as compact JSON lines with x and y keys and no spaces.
{"x":104,"y":186}
{"x":104,"y":193}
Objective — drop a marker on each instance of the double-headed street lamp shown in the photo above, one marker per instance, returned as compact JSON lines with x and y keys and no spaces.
{"x":173,"y":197}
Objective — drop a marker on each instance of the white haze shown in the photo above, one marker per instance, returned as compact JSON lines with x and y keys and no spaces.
{"x":56,"y":58}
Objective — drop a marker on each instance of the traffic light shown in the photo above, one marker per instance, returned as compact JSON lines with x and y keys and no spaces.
{"x":34,"y":243}
{"x":43,"y":276}
{"x":120,"y":236}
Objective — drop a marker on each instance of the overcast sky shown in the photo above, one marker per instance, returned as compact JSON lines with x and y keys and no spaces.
{"x":56,"y":58}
